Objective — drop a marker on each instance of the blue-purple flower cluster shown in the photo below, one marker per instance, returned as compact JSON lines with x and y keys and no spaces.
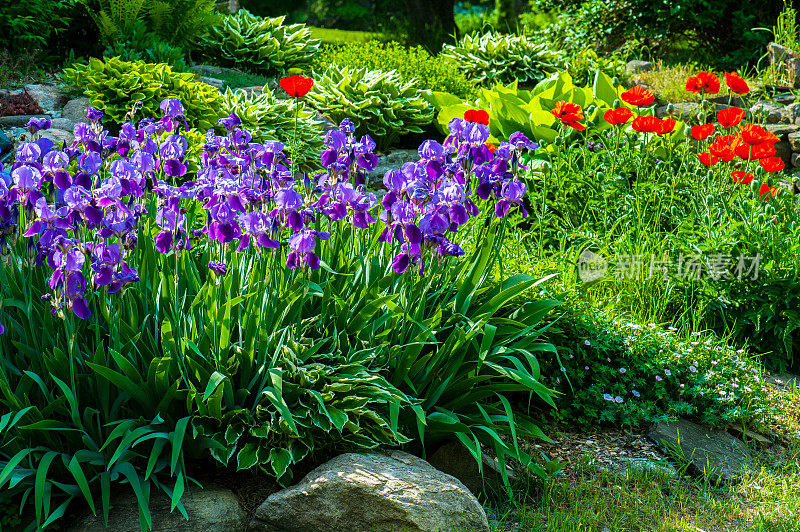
{"x":81,"y":205}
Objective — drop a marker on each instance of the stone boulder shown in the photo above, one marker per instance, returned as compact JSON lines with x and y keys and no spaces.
{"x":7,"y":122}
{"x":772,"y":113}
{"x":210,"y":509}
{"x":394,"y":160}
{"x":396,"y":492}
{"x":452,"y":458}
{"x":75,"y":110}
{"x":49,"y":97}
{"x":6,"y":145}
{"x":686,"y":111}
{"x":636,"y":66}
{"x":709,"y":451}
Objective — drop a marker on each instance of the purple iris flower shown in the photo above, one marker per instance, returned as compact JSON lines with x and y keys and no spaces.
{"x":28,"y":152}
{"x":94,"y":115}
{"x":83,"y":132}
{"x":521,"y":142}
{"x":218,"y":268}
{"x":511,"y":193}
{"x":172,"y":108}
{"x":302,"y":245}
{"x":231,"y":122}
{"x":347,"y":127}
{"x":74,"y":292}
{"x":36,"y":124}
{"x":256,"y":226}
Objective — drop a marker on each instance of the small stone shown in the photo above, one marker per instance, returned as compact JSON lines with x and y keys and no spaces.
{"x":254,"y":90}
{"x":58,"y":136}
{"x":324,"y":123}
{"x":375,"y":492}
{"x":17,"y":121}
{"x":76,"y":109}
{"x":792,"y":112}
{"x":393,"y":161}
{"x":783,"y":99}
{"x":783,"y":150}
{"x":64,"y":123}
{"x":709,"y":451}
{"x":636,"y":66}
{"x":796,"y":160}
{"x":207,"y":70}
{"x":785,"y":380}
{"x":210,"y":509}
{"x":728,"y":100}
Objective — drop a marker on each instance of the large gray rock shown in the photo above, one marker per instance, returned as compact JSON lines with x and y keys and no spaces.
{"x":6,"y":145}
{"x":711,"y":452}
{"x":75,"y":110}
{"x":214,"y":82}
{"x":63,"y":123}
{"x":782,"y":131}
{"x":783,"y":150}
{"x":771,"y":112}
{"x":779,"y":56}
{"x":49,"y":97}
{"x":452,"y":458}
{"x":392,"y":161}
{"x":58,"y":136}
{"x":636,"y":66}
{"x":396,"y":492}
{"x":793,"y":113}
{"x":211,"y":509}
{"x":686,"y":111}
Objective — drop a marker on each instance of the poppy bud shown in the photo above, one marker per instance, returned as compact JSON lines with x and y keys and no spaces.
{"x":710,"y":199}
{"x":670,"y":109}
{"x":770,"y":210}
{"x":601,"y":175}
{"x":559,"y":139}
{"x":591,"y":109}
{"x":615,"y":82}
{"x":617,"y":103}
{"x":755,"y":185}
{"x":792,"y":226}
{"x":760,"y":218}
{"x":674,"y":210}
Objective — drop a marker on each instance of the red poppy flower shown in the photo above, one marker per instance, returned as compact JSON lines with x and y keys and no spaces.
{"x":772,"y":164}
{"x":489,"y":145}
{"x":703,"y":131}
{"x":666,"y":125}
{"x":297,"y":86}
{"x":755,"y":134}
{"x":736,"y":83}
{"x":646,"y":124}
{"x":722,"y":148}
{"x":739,"y":176}
{"x":703,"y":82}
{"x":638,"y":96}
{"x":477,"y":115}
{"x":707,"y":159}
{"x":765,"y":188}
{"x":569,"y":113}
{"x":618,"y":116}
{"x":730,"y":116}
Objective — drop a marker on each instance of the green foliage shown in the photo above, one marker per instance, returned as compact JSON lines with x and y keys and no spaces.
{"x":413,"y":65}
{"x":270,"y":118}
{"x":785,"y":32}
{"x":379,"y":103}
{"x":141,"y":45}
{"x":176,"y":22}
{"x":512,"y":109}
{"x":720,"y":33}
{"x":33,"y":24}
{"x":263,"y":44}
{"x":495,"y":57}
{"x":648,"y":374}
{"x":583,"y":65}
{"x":114,"y":86}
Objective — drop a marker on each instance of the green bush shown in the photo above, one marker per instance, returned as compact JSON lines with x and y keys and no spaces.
{"x":263,"y":44}
{"x":270,"y":118}
{"x":495,"y":57}
{"x":114,"y":86}
{"x":379,"y":103}
{"x":33,"y":24}
{"x":141,"y":45}
{"x":615,"y":371}
{"x":412,"y":65}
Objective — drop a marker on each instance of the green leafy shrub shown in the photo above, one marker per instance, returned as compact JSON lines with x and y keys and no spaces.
{"x":270,"y":118}
{"x":114,"y":86}
{"x":412,"y":65}
{"x":177,"y":22}
{"x":34,"y":24}
{"x":495,"y":57}
{"x":529,"y":111}
{"x":263,"y":44}
{"x":583,"y":65}
{"x":615,"y":371}
{"x":379,"y":103}
{"x":141,"y":45}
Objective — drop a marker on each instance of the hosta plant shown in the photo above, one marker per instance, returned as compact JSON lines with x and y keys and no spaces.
{"x":271,"y":118}
{"x":379,"y":103}
{"x":117,"y":87}
{"x":496,"y":57}
{"x":262,"y":44}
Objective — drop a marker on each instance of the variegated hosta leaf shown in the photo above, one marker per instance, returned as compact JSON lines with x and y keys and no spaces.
{"x":264,"y":44}
{"x":379,"y":103}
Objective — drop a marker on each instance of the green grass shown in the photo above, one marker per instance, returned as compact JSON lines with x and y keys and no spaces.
{"x":334,"y":36}
{"x":765,"y":499}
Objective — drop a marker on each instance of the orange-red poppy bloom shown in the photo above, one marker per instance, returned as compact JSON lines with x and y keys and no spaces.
{"x":736,"y":83}
{"x":722,"y":147}
{"x":755,"y":134}
{"x":491,"y":147}
{"x":703,"y":131}
{"x":477,"y":115}
{"x":765,"y":189}
{"x":772,"y":164}
{"x":570,"y":114}
{"x":618,"y":116}
{"x":297,"y":86}
{"x":707,"y":158}
{"x":703,"y":82}
{"x":751,"y":152}
{"x":739,"y":176}
{"x":666,"y":125}
{"x":646,"y":124}
{"x":638,"y":96}
{"x":730,"y":116}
